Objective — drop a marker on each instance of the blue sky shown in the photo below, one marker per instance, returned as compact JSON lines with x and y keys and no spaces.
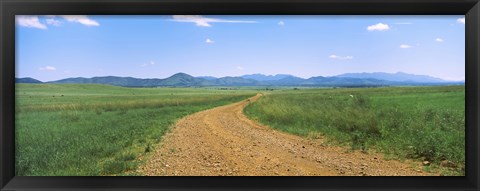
{"x":56,"y":47}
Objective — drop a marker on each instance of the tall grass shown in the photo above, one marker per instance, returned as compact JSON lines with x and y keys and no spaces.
{"x":426,"y":123}
{"x":97,"y":129}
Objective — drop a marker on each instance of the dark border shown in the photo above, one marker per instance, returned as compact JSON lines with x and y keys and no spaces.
{"x":9,"y":8}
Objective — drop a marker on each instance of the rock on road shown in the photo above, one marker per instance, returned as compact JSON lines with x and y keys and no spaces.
{"x":223,"y":141}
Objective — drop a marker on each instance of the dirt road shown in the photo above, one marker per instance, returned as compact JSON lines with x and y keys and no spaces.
{"x":223,"y":141}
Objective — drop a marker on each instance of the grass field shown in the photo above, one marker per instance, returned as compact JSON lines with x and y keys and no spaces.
{"x":74,"y":129}
{"x":424,"y":123}
{"x":69,"y":130}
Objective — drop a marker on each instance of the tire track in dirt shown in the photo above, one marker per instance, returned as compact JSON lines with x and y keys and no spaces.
{"x":223,"y":141}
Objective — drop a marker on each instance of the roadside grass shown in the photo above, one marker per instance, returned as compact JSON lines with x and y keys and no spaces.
{"x":423,"y":123}
{"x":91,"y":130}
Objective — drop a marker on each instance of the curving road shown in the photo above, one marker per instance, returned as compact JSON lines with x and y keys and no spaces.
{"x":223,"y":141}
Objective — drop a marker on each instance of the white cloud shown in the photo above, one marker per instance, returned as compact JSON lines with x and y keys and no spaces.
{"x":52,"y":21}
{"x":461,"y":20}
{"x":204,"y":21}
{"x":240,"y":68}
{"x":405,"y":46}
{"x":439,"y":40}
{"x":30,"y":21}
{"x":48,"y":68}
{"x":149,"y":64}
{"x":209,"y":41}
{"x":333,"y":56}
{"x":34,"y":21}
{"x":378,"y":27}
{"x":281,"y":23}
{"x":82,"y":19}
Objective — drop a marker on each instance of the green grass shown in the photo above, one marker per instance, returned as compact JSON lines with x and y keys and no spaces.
{"x":424,"y":123}
{"x":85,"y":130}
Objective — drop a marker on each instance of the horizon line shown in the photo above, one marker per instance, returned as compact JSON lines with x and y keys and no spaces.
{"x":197,"y":76}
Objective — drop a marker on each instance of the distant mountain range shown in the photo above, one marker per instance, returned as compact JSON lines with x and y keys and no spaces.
{"x":185,"y":80}
{"x":396,"y":77}
{"x":262,"y":77}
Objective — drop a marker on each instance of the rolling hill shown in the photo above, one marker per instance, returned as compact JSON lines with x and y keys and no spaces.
{"x":27,"y":80}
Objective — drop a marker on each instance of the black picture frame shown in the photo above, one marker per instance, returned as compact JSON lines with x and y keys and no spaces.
{"x":10,"y":8}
